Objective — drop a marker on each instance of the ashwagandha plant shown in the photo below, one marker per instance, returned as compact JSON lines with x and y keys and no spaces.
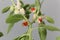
{"x":20,"y":11}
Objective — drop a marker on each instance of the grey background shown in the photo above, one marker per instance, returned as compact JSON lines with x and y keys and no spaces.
{"x":49,"y":7}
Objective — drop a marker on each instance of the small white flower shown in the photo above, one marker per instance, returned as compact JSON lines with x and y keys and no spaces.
{"x":18,"y":4}
{"x":16,"y":11}
{"x":22,"y":11}
{"x":19,"y":11}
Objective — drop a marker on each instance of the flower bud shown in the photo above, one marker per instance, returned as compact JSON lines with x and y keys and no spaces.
{"x":22,"y":11}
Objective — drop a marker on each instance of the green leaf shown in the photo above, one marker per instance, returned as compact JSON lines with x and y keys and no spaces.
{"x":26,"y":6}
{"x":49,"y":19}
{"x":32,"y":5}
{"x":21,"y":3}
{"x":14,"y":18}
{"x":37,"y":3}
{"x":39,"y":14}
{"x":42,"y":33}
{"x":1,"y":34}
{"x":11,"y":13}
{"x":24,"y":37}
{"x":10,"y":27}
{"x":27,"y":16}
{"x":16,"y":38}
{"x":58,"y":38}
{"x":51,"y":28}
{"x":5,"y":9}
{"x":27,"y":12}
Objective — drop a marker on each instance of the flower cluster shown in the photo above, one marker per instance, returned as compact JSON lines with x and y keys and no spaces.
{"x":20,"y":11}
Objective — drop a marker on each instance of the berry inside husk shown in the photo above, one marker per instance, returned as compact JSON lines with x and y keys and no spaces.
{"x":25,"y":23}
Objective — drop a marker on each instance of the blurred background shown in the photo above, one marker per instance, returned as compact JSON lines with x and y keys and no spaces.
{"x":49,"y":7}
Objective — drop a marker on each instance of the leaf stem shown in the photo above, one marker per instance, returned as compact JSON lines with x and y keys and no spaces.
{"x":26,"y":19}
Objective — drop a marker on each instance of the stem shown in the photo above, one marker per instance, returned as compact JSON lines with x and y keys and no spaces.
{"x":30,"y":28}
{"x":38,"y":7}
{"x":26,"y":19}
{"x":21,"y":36}
{"x":30,"y":31}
